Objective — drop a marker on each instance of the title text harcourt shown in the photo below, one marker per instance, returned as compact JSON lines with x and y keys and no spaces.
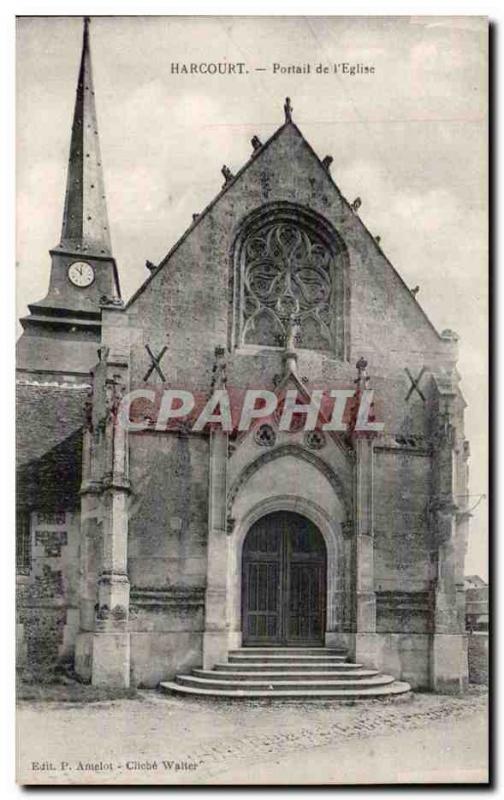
{"x":241,"y":68}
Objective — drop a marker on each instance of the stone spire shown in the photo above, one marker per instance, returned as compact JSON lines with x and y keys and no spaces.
{"x":85,"y":223}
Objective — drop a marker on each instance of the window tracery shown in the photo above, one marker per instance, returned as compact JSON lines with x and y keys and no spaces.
{"x":288,"y":268}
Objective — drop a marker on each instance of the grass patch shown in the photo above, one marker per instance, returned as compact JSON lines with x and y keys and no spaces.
{"x":70,"y":692}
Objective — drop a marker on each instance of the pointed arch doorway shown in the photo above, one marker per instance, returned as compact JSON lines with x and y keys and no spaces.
{"x":284,"y":571}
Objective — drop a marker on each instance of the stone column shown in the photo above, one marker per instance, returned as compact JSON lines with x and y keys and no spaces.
{"x":103,"y":648}
{"x":90,"y":533}
{"x":349,"y":577}
{"x":90,"y":490}
{"x":365,"y":598}
{"x":215,"y":636}
{"x":449,"y":651}
{"x":111,"y":643}
{"x":449,"y":517}
{"x":340,"y":593}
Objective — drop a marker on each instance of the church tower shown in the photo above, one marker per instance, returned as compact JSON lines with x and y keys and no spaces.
{"x":62,"y":331}
{"x":56,"y":353}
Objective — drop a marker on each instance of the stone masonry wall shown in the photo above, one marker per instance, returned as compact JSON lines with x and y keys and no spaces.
{"x":402,"y":539}
{"x":404,"y":603}
{"x":478,"y":657}
{"x":168,"y":529}
{"x":49,"y":454}
{"x":47,"y":598}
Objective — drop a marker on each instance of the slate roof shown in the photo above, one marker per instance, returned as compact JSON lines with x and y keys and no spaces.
{"x":46,"y":416}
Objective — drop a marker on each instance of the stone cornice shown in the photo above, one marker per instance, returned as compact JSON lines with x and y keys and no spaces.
{"x":173,"y":597}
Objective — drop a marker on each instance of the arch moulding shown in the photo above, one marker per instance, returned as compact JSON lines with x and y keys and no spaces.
{"x":296,"y":451}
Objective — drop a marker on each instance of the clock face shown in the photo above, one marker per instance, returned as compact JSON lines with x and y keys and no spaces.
{"x":81,"y":274}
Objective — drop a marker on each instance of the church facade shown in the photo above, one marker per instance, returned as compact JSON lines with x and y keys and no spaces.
{"x":145,"y":553}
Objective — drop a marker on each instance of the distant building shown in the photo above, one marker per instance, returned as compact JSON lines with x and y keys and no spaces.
{"x":476,"y":603}
{"x":474,"y":582}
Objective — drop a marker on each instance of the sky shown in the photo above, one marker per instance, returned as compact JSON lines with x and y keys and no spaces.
{"x":410,"y":139}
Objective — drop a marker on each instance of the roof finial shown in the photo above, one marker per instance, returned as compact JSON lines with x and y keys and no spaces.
{"x":288,"y":110}
{"x":362,"y":379}
{"x":228,"y":175}
{"x":256,"y":143}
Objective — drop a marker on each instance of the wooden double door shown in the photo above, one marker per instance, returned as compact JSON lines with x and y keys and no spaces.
{"x":284,"y":567}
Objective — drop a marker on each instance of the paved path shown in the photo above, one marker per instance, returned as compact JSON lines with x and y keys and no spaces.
{"x":157,"y":739}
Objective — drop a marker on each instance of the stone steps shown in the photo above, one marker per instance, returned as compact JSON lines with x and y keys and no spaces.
{"x":278,"y":658}
{"x":284,"y":675}
{"x":289,"y":666}
{"x":287,"y":673}
{"x":288,"y":651}
{"x":376,"y":692}
{"x":278,"y":684}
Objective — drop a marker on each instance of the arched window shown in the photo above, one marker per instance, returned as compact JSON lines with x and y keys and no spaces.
{"x":289,"y":262}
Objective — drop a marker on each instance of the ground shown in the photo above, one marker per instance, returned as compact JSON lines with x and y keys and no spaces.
{"x":154,"y":738}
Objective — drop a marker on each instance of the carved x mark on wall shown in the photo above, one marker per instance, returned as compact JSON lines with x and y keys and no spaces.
{"x":156,"y":363}
{"x":415,"y":383}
